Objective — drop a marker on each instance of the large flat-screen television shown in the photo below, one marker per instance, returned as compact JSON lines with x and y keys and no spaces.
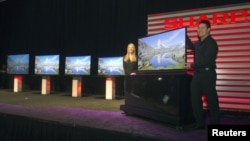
{"x":77,"y":65}
{"x":163,"y":51}
{"x":110,"y":66}
{"x":18,"y":64}
{"x":47,"y":64}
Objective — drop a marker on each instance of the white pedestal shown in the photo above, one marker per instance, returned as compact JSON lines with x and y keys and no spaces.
{"x":18,"y":80}
{"x":110,"y":88}
{"x":45,"y":85}
{"x":77,"y":86}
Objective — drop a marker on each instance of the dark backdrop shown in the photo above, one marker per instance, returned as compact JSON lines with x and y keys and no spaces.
{"x":80,"y":27}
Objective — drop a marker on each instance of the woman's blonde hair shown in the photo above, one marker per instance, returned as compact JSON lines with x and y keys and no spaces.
{"x":130,"y":57}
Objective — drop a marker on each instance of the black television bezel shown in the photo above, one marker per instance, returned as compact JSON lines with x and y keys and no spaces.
{"x":73,"y":74}
{"x":164,"y":70}
{"x":109,"y":75}
{"x":49,"y":74}
{"x":7,"y":71}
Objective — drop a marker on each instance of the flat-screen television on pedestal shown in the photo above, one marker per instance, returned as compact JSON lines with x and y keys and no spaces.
{"x":47,"y":65}
{"x":18,"y":64}
{"x":77,"y":65}
{"x":110,"y":66}
{"x":163,"y":51}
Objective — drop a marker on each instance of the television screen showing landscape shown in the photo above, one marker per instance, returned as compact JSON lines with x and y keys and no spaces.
{"x":77,"y":65}
{"x":110,"y":66}
{"x":18,"y":64}
{"x":163,"y":51}
{"x":47,"y":64}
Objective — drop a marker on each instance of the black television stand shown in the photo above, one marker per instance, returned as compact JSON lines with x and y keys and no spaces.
{"x":162,"y":97}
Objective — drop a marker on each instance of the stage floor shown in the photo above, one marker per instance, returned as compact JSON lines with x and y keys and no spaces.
{"x":95,"y":111}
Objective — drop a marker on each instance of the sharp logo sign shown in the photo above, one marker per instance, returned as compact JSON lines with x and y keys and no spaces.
{"x":216,"y":18}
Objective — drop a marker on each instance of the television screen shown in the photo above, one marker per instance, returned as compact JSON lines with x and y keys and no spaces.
{"x":77,"y":65}
{"x":47,"y":64}
{"x":18,"y":64}
{"x":110,"y":66}
{"x":163,"y":51}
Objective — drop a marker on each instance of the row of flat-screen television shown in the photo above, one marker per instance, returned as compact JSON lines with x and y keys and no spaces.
{"x":160,"y":52}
